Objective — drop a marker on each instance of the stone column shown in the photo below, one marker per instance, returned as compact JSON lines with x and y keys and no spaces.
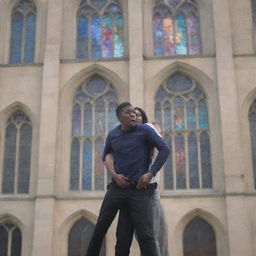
{"x":44,"y":205}
{"x":136,"y":76}
{"x":237,"y":212}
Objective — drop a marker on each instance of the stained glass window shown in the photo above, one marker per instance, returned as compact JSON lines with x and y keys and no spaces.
{"x":252,"y":121}
{"x":176,"y":28}
{"x":182,"y":112}
{"x":93,"y":116}
{"x":23,"y":33}
{"x":17,"y":154}
{"x":10,"y":239}
{"x":100,"y":26}
{"x":199,"y":239}
{"x":79,"y":237}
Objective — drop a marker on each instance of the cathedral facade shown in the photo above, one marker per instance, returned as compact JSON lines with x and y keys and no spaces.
{"x":64,"y":67}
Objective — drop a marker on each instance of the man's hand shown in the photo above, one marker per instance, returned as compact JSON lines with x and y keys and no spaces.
{"x":144,"y":180}
{"x":121,"y":180}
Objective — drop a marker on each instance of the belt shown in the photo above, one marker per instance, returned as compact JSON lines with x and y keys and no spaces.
{"x":133,"y":185}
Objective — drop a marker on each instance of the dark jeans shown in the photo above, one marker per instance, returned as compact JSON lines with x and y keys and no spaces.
{"x":139,"y":204}
{"x":125,"y":229}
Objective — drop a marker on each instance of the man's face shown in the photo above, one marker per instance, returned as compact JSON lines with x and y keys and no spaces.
{"x":127,"y":117}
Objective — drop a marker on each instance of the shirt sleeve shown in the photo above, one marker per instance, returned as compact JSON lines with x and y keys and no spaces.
{"x":107,"y":148}
{"x":162,"y":147}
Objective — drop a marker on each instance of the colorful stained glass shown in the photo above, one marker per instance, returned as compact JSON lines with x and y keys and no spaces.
{"x":158,"y":35}
{"x":99,"y":166}
{"x":98,"y":101}
{"x":181,"y":35}
{"x":76,"y":120}
{"x":16,"y":38}
{"x":9,"y":159}
{"x":178,"y":35}
{"x":206,"y":160}
{"x":191,"y":115}
{"x":168,"y":170}
{"x":179,"y":114}
{"x":118,"y":37}
{"x":179,"y":83}
{"x":88,"y":120}
{"x":100,"y":118}
{"x":167,"y":116}
{"x":203,"y":115}
{"x":107,"y":37}
{"x":96,"y":37}
{"x":193,"y":161}
{"x":193,"y":27}
{"x":24,"y":158}
{"x":30,"y":38}
{"x":199,"y":239}
{"x":79,"y":237}
{"x":82,"y":38}
{"x":87,"y":165}
{"x":100,"y":34}
{"x":178,"y":96}
{"x":74,"y":165}
{"x":180,"y":161}
{"x":252,"y":122}
{"x":112,"y":120}
{"x":169,"y":42}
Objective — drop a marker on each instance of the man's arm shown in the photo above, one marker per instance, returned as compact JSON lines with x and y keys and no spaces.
{"x":120,"y":179}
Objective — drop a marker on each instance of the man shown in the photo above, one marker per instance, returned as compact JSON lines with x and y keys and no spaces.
{"x":131,"y":146}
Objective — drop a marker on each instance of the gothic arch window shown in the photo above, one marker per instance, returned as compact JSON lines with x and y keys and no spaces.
{"x":176,"y":28}
{"x":182,"y":112}
{"x":93,"y":116}
{"x":23,"y":33}
{"x":10,"y":239}
{"x":17,"y":154}
{"x":100,"y":29}
{"x":79,"y":237}
{"x":199,"y":239}
{"x":252,"y":121}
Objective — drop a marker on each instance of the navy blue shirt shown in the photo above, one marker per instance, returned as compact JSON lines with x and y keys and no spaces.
{"x":132,"y":150}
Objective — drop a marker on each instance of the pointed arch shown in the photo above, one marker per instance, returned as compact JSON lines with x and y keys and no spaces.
{"x":17,"y":154}
{"x":216,"y":224}
{"x":248,"y":132}
{"x":191,"y":166}
{"x":193,"y":72}
{"x":11,"y":235}
{"x":67,"y":224}
{"x":23,"y":32}
{"x":94,"y":112}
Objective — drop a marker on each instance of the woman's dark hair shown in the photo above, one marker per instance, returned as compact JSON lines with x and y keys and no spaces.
{"x":143,"y":115}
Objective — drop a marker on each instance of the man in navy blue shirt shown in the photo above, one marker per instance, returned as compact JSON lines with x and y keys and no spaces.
{"x":131,"y":145}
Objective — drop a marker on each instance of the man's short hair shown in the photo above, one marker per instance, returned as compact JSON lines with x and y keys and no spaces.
{"x":120,"y":107}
